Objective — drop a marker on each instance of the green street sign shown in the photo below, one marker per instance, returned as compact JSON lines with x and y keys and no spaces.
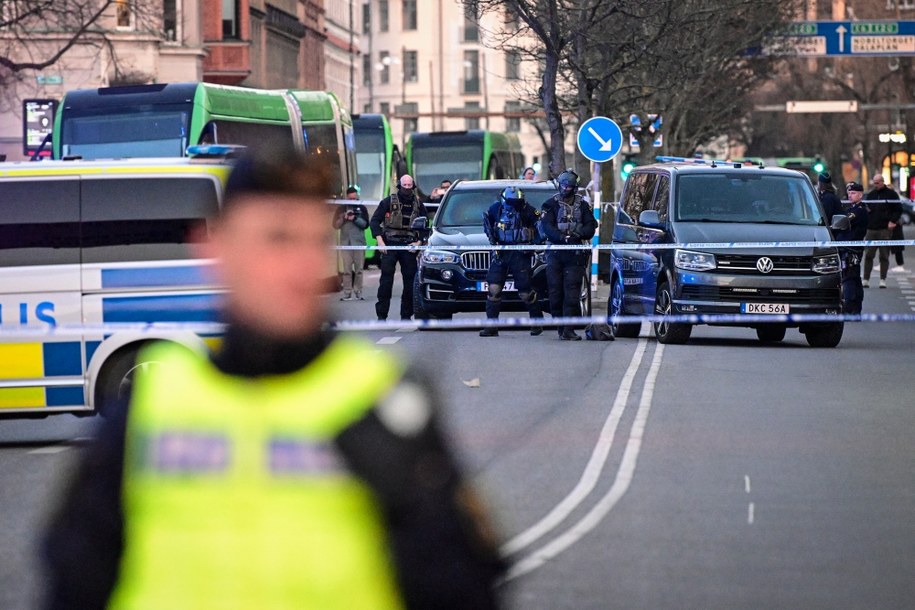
{"x":50,"y":79}
{"x":883,"y":27}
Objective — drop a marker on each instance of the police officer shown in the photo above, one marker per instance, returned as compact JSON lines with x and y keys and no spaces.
{"x":291,"y":469}
{"x":831,"y":203}
{"x":511,"y":221}
{"x":567,"y":219}
{"x":855,"y":228}
{"x":391,"y":226}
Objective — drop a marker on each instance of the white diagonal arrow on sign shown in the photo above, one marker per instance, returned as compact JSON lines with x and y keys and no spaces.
{"x":605,"y":145}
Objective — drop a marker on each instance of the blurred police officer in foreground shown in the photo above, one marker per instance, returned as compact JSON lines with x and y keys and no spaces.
{"x":392,"y":226}
{"x":567,"y":219}
{"x":291,"y":469}
{"x":511,"y":221}
{"x":853,"y":228}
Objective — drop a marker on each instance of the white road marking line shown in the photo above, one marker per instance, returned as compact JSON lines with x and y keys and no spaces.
{"x":750,"y":513}
{"x":617,"y":490}
{"x":388,"y":340}
{"x":746,"y":482}
{"x":51,"y":449}
{"x":593,"y":468}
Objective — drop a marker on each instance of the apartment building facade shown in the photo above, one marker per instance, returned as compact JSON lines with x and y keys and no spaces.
{"x":431,"y":65}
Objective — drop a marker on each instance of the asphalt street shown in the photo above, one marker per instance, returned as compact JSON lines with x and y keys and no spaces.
{"x":718,"y":474}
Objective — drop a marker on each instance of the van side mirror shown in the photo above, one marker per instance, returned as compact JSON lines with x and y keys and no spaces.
{"x":650,"y":219}
{"x":840,"y":222}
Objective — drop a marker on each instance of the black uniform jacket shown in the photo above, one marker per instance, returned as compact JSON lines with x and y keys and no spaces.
{"x":445,"y":555}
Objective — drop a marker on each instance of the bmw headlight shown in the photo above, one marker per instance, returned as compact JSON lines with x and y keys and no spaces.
{"x":694,"y":261}
{"x":826,"y":264}
{"x":437,"y":257}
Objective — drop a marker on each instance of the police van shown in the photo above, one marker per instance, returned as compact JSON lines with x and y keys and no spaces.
{"x":90,"y":253}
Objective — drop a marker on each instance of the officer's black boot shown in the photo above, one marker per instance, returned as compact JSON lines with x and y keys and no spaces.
{"x":489,"y":331}
{"x":569,"y":335}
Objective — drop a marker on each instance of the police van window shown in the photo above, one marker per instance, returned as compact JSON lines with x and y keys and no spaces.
{"x":661,"y":198}
{"x":639,"y":190}
{"x":39,"y":222}
{"x":141,"y":219}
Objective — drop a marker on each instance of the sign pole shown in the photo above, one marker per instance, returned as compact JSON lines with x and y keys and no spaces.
{"x":595,"y":252}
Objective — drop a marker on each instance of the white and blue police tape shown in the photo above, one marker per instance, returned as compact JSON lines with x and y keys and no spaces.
{"x":629,"y":246}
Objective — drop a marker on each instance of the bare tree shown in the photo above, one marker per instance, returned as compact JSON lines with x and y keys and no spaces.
{"x":36,"y":34}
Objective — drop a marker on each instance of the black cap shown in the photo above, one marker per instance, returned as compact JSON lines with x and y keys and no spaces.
{"x":825,"y":178}
{"x":854,"y":186}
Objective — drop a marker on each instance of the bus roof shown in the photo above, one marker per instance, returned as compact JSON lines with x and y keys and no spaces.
{"x":224,"y":100}
{"x":369,"y":121}
{"x":315,"y":105}
{"x":108,"y":97}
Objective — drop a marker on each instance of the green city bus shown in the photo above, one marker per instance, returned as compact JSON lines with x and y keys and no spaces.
{"x":162,"y":120}
{"x":472,"y":155}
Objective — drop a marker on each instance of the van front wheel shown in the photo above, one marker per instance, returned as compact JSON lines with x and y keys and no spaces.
{"x":668,"y":332}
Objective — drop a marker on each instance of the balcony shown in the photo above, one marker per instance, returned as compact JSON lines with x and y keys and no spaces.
{"x":227,"y":62}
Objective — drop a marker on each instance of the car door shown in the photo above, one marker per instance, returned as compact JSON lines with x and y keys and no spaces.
{"x":636,"y":265}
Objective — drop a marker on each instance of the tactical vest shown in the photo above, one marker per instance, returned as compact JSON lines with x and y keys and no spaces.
{"x":510,"y":229}
{"x":396,"y":225}
{"x":234,"y":495}
{"x":568,"y":215}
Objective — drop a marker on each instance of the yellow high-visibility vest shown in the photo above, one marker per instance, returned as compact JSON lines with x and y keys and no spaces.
{"x":234,"y":495}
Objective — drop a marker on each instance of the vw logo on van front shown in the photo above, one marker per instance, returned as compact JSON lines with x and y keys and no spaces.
{"x":764,"y":264}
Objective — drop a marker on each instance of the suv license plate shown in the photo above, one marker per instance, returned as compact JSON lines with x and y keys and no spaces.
{"x":484,"y":286}
{"x":764,"y":308}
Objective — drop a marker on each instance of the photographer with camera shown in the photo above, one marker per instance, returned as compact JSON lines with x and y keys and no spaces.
{"x":352,"y":220}
{"x":392,"y":225}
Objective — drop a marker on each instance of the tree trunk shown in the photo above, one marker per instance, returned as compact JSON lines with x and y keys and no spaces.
{"x":553,"y":117}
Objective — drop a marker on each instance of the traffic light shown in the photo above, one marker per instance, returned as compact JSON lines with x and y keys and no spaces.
{"x":629,"y":164}
{"x":818,"y":165}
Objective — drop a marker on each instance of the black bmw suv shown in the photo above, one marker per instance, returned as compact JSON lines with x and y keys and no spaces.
{"x":450,"y":281}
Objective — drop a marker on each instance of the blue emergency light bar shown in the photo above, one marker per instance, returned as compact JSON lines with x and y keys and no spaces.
{"x":215,"y":150}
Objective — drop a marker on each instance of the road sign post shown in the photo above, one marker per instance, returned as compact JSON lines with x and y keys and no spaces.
{"x":599,"y":140}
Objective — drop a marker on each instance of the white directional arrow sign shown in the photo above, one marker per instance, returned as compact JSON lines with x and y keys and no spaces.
{"x":605,"y":145}
{"x":841,"y":32}
{"x":599,"y":139}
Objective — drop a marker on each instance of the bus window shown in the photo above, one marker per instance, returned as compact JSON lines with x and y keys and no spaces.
{"x":322,"y":140}
{"x":141,"y":219}
{"x":39,"y":222}
{"x":159,"y":133}
{"x":433,"y":165}
{"x":370,"y":159}
{"x":252,"y":135}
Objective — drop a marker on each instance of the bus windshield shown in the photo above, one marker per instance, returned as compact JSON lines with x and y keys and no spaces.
{"x":432,"y":165}
{"x":127,"y":133}
{"x":747,"y":198}
{"x":370,"y":159}
{"x":321,"y":139}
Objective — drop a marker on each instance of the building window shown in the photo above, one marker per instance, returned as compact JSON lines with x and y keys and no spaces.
{"x":383,"y":15}
{"x":471,"y":28}
{"x":123,"y":13}
{"x":384,"y":61}
{"x":409,"y":14}
{"x":367,"y":69}
{"x":367,"y":108}
{"x":170,"y":20}
{"x":410,"y":124}
{"x":474,"y":122}
{"x":511,"y":20}
{"x":410,"y":66}
{"x":471,"y":72}
{"x":512,"y":65}
{"x":512,"y":124}
{"x":229,"y":19}
{"x":385,"y":108}
{"x":366,"y":18}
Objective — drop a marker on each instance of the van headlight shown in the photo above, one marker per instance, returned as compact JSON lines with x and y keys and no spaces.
{"x":694,"y":261}
{"x":826,"y":264}
{"x":438,"y":257}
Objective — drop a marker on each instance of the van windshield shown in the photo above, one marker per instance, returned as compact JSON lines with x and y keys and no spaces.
{"x":747,"y":198}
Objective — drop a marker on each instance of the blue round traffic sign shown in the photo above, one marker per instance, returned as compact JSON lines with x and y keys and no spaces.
{"x":600,"y":139}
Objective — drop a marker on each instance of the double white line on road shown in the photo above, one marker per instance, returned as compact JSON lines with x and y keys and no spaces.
{"x":591,"y":474}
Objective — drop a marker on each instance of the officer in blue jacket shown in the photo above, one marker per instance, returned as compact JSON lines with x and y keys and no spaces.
{"x":511,"y":221}
{"x":853,"y":228}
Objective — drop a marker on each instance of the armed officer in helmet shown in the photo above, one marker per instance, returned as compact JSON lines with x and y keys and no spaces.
{"x":392,"y":226}
{"x":511,"y":221}
{"x":852,"y":228}
{"x":567,"y":219}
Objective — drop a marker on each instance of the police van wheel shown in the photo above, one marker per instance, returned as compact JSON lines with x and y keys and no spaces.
{"x":615,"y":308}
{"x":584,"y":297}
{"x":825,"y":335}
{"x":116,"y":380}
{"x":668,"y":332}
{"x":771,"y":333}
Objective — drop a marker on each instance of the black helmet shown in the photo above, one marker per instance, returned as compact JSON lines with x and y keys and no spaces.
{"x":568,"y":182}
{"x":512,"y":195}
